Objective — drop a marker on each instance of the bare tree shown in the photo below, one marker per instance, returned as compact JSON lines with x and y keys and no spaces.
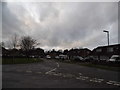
{"x":14,"y":41}
{"x":2,"y":44}
{"x":12,"y":44}
{"x":27,"y":43}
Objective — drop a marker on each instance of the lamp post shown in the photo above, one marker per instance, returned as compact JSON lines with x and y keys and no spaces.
{"x":107,"y":35}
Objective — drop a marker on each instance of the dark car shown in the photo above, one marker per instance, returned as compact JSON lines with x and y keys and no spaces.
{"x":77,"y":58}
{"x":88,"y":59}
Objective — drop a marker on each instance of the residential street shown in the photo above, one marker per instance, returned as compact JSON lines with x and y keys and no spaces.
{"x":52,"y":74}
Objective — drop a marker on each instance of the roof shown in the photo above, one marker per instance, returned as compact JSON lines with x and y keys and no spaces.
{"x":115,"y":45}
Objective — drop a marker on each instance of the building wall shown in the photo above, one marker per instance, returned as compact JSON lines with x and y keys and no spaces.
{"x":105,"y":52}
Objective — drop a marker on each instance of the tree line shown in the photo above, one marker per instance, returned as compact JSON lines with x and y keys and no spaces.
{"x":26,"y":45}
{"x":27,"y":48}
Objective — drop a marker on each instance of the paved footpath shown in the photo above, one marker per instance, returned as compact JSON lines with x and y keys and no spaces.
{"x":52,"y":74}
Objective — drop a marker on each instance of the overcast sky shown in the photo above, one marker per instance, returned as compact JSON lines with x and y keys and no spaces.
{"x":61,"y":25}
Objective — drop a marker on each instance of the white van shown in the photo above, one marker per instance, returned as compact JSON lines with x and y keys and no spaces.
{"x":114,"y":58}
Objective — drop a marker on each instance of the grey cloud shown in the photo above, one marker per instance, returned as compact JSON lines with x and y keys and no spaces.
{"x":47,"y":11}
{"x":10,"y":23}
{"x":64,"y":24}
{"x":0,"y":21}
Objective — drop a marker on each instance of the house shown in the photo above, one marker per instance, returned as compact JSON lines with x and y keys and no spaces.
{"x":105,"y":52}
{"x":79,"y":52}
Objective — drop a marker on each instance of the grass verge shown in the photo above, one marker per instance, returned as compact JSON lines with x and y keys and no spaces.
{"x":20,"y":60}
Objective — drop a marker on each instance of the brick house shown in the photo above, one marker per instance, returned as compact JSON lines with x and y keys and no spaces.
{"x":78,"y":52}
{"x":105,"y":52}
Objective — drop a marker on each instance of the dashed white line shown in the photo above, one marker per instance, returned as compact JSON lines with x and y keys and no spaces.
{"x":100,"y":80}
{"x":113,"y":83}
{"x":82,"y":77}
{"x":96,"y":80}
{"x":109,"y":82}
{"x":117,"y":84}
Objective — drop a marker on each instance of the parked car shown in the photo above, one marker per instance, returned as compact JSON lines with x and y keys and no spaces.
{"x":78,"y":58}
{"x":114,"y":58}
{"x":57,"y":57}
{"x":63,"y":57}
{"x":88,"y":58}
{"x":48,"y":57}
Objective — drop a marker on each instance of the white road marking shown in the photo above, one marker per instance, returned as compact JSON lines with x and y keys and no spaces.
{"x":109,"y":82}
{"x":57,"y":74}
{"x":78,"y":78}
{"x":57,"y":64}
{"x":117,"y":84}
{"x":68,"y":75}
{"x":29,"y":71}
{"x":64,"y":76}
{"x":80,"y":73}
{"x":50,"y":71}
{"x":38,"y":72}
{"x":101,"y":79}
{"x":83,"y":79}
{"x":94,"y":80}
{"x":97,"y":80}
{"x":91,"y":80}
{"x":53,"y":69}
{"x":114,"y":83}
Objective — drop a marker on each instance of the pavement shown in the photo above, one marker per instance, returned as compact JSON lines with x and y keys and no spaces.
{"x":53,"y":74}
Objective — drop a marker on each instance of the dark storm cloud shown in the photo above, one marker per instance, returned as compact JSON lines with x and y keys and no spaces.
{"x":63,"y":25}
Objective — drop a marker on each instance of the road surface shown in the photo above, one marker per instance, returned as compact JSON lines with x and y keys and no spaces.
{"x":53,"y":74}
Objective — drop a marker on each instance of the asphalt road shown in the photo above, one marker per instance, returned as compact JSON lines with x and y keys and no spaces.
{"x":52,"y":74}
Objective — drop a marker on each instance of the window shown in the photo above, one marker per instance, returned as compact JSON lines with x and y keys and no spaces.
{"x":99,"y":50}
{"x":109,"y":49}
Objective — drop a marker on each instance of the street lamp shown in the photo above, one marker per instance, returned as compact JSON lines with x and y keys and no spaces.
{"x":107,"y":35}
